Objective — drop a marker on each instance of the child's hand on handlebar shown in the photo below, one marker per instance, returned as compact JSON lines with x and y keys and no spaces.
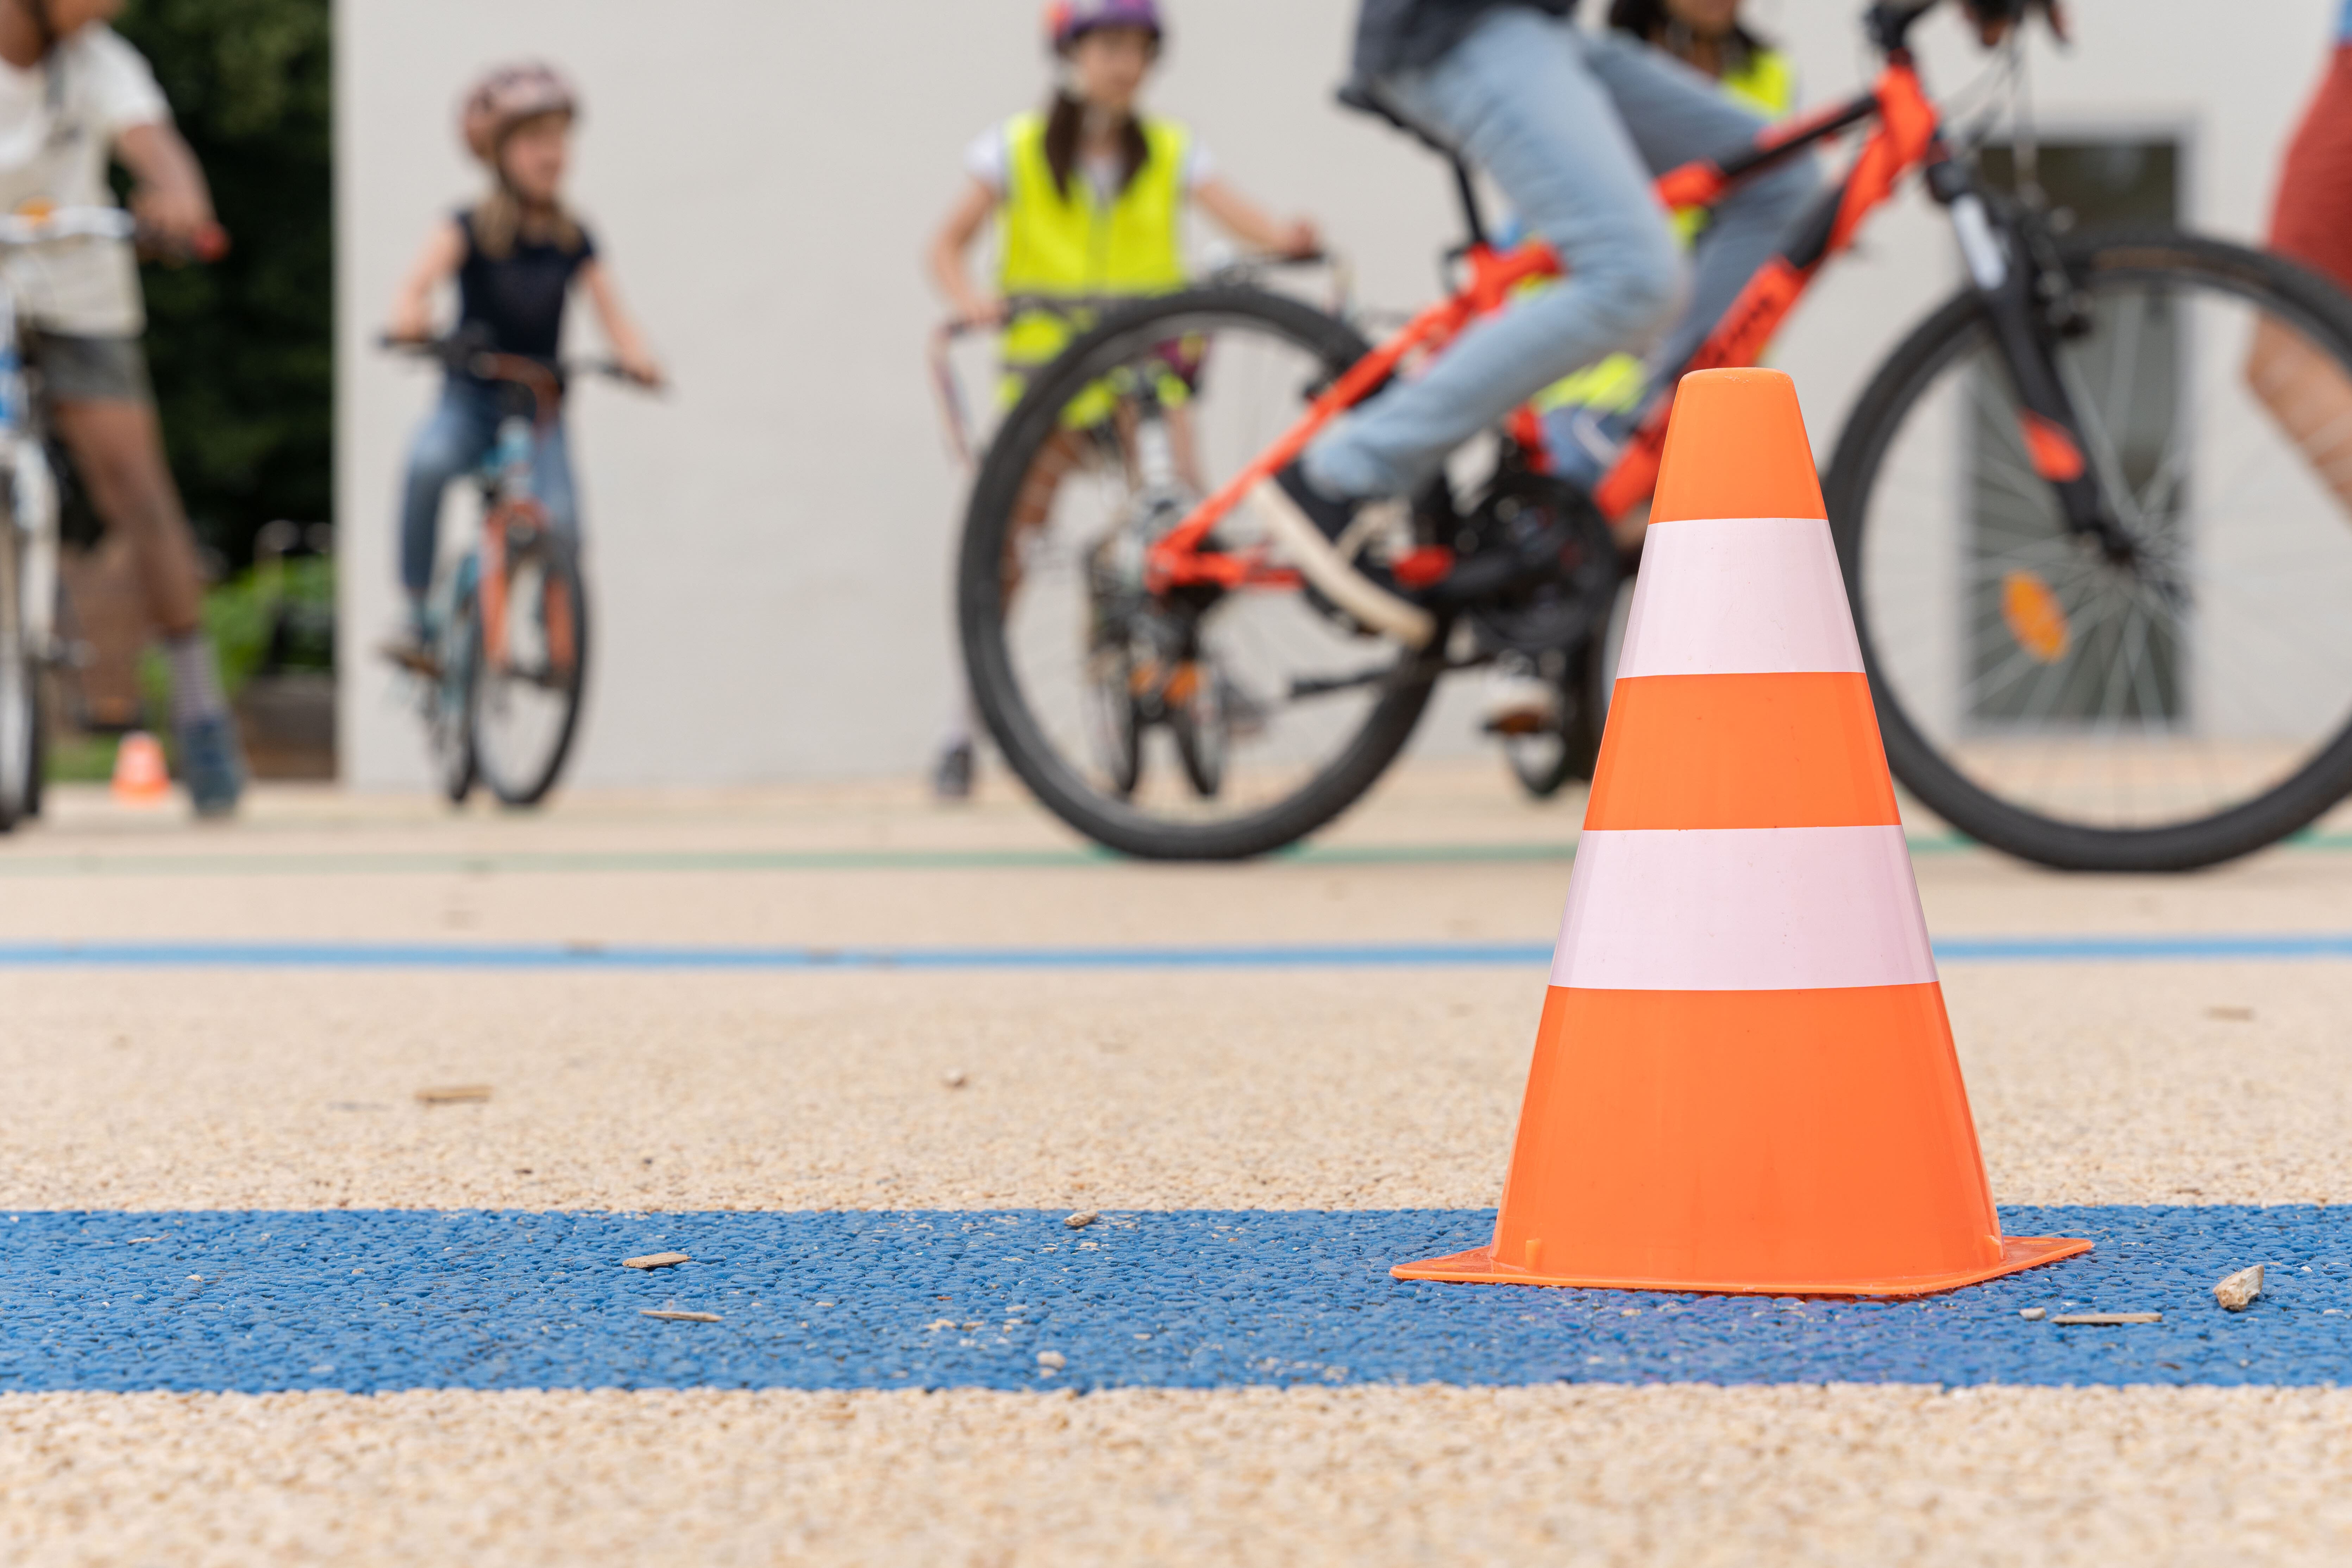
{"x":409,"y":326}
{"x":978,"y":309}
{"x":1301,"y":241}
{"x":180,"y":218}
{"x":640,"y":368}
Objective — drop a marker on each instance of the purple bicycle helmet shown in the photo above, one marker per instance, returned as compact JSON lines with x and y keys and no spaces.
{"x":1067,"y":21}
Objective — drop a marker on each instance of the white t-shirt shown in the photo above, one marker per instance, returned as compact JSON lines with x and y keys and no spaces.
{"x":58,"y":123}
{"x":987,"y":159}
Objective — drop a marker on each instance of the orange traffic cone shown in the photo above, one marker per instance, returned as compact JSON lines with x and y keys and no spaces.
{"x":140,"y":778}
{"x":1744,"y":1080}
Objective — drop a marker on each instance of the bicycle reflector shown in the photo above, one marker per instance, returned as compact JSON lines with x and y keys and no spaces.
{"x":2035,"y":617}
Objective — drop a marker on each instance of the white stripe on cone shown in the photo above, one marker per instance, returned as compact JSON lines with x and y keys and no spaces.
{"x":1748,"y":596}
{"x":1742,"y":909}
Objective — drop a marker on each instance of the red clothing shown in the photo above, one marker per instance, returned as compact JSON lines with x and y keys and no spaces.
{"x":2312,"y":219}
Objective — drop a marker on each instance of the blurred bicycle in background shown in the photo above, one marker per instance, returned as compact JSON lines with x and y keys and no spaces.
{"x":2099,"y":585}
{"x":503,"y":662}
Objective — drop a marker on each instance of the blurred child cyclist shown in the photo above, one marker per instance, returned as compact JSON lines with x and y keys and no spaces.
{"x":1587,"y":416}
{"x":515,"y":255}
{"x":1088,"y":195}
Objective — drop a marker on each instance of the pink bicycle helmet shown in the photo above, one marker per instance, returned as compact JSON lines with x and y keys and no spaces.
{"x":508,"y":96}
{"x":1067,"y":21}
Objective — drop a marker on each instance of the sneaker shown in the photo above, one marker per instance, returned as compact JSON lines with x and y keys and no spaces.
{"x":952,"y":778}
{"x":412,"y":650}
{"x":211,"y":764}
{"x":1322,"y":535}
{"x":1517,"y":699}
{"x":1585,"y":443}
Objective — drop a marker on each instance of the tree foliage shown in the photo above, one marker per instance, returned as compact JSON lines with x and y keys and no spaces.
{"x":242,"y":349}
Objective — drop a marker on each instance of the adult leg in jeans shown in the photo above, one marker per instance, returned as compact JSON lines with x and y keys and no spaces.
{"x":1519,"y":98}
{"x":1676,"y":114}
{"x":452,"y":443}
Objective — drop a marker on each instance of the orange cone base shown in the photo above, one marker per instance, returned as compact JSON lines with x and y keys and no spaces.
{"x":1478,"y":1267}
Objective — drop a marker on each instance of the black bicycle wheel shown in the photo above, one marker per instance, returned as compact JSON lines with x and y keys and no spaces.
{"x":1545,"y":761}
{"x":448,"y":699}
{"x":19,"y":695}
{"x":2182,"y":705}
{"x":1158,"y":405}
{"x":529,"y":671}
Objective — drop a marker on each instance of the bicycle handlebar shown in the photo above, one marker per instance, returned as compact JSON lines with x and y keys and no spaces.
{"x":23,"y":230}
{"x":464,"y":354}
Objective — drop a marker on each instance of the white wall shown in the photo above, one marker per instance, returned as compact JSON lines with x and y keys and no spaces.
{"x":770,"y":540}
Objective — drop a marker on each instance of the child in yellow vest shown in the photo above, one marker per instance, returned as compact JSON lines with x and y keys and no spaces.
{"x":1088,"y":197}
{"x":1088,"y":194}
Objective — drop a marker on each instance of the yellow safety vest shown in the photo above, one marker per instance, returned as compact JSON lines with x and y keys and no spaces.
{"x":1066,"y":244}
{"x":1766,"y":82}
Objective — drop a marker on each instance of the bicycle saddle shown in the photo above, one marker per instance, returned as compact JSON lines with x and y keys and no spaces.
{"x":1365,"y":98}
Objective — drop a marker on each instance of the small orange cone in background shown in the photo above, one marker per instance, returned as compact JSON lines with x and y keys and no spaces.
{"x":139,"y":776}
{"x":1744,"y":1080}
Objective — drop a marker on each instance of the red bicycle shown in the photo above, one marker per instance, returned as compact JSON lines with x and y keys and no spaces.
{"x":2084,"y":511}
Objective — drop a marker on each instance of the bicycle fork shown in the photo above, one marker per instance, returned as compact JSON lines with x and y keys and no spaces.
{"x":2027,"y":296}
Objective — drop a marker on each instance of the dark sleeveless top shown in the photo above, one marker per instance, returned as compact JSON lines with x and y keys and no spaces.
{"x":517,"y":305}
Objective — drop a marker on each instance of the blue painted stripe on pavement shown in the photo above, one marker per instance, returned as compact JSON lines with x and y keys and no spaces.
{"x":368,"y":1301}
{"x":1268,"y":955}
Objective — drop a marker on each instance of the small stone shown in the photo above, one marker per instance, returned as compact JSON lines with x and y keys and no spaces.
{"x":954,"y":1077}
{"x":938,"y":1323}
{"x":2106,"y":1319}
{"x":656,"y":1261}
{"x":455,"y":1094}
{"x":666,"y":1316}
{"x":1051,"y":1360}
{"x":2033,"y":1314}
{"x":2231,"y":1015}
{"x":1083,"y":1218}
{"x":2237,"y":1293}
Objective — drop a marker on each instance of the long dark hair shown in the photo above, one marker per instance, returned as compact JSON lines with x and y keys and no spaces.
{"x":1649,"y":21}
{"x":1065,"y":118}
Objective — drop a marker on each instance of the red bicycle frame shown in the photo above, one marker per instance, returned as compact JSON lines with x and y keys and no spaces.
{"x":1906,"y":135}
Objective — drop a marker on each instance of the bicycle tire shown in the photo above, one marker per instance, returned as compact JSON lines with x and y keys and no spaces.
{"x":19,"y":698}
{"x":1584,"y":709}
{"x":449,"y":712}
{"x":528,"y":785}
{"x":981,"y":601}
{"x":2312,"y":303}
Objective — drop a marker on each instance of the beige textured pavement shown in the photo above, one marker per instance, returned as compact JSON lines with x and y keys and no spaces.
{"x":1694,"y":1477}
{"x":2193,"y":1082}
{"x":2107,"y":1083}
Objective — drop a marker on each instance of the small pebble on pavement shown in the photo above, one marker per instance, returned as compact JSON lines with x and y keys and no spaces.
{"x":2237,"y":1291}
{"x":656,"y":1261}
{"x":1080,"y":1220}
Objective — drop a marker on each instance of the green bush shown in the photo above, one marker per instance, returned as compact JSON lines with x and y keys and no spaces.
{"x":278,"y":616}
{"x":243,"y":349}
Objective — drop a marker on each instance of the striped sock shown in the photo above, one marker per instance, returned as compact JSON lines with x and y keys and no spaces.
{"x":195,"y":680}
